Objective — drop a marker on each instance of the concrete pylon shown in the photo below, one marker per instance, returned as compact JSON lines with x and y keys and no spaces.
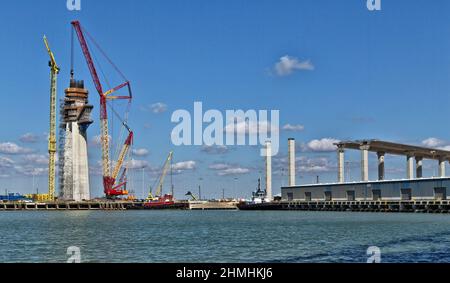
{"x":381,"y":168}
{"x":77,"y":118}
{"x":364,"y":163}
{"x":419,"y":167}
{"x":269,"y":170}
{"x":442,"y":167}
{"x":410,"y":166}
{"x":291,"y":156}
{"x":341,"y":165}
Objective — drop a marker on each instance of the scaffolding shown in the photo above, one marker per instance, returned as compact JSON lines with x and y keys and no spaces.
{"x":61,"y":147}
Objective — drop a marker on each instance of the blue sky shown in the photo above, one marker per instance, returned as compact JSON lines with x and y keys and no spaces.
{"x":359,"y":74}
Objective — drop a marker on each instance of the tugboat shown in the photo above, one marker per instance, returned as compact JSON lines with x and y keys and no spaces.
{"x":259,"y":199}
{"x":259,"y":196}
{"x":165,"y":201}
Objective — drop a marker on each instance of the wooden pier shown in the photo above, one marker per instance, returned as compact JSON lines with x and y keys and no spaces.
{"x":423,"y":206}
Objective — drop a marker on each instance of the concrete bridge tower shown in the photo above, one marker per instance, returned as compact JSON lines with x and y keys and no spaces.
{"x":76,"y":114}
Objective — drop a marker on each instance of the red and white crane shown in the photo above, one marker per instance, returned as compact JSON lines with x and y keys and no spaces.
{"x":111,"y":187}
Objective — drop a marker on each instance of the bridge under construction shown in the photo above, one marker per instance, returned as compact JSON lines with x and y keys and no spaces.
{"x":413,"y":187}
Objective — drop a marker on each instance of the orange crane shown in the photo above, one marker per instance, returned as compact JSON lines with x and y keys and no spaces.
{"x":111,"y":188}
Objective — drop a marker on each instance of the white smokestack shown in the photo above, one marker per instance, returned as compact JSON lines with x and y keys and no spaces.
{"x":269,"y":170}
{"x":291,"y":153}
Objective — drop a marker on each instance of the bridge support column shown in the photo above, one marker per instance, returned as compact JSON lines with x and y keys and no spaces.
{"x":442,"y":167}
{"x":365,"y":163}
{"x":410,"y":166}
{"x":381,"y":170}
{"x":341,"y":163}
{"x":419,"y":167}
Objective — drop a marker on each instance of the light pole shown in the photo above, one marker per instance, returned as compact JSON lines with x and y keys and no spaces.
{"x":235,"y":188}
{"x":143,"y":182}
{"x":348,"y":165}
{"x":433,"y":152}
{"x":199,"y":188}
{"x":33,"y":183}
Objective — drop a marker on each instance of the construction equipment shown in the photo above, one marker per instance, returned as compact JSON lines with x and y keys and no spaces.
{"x":189,"y":194}
{"x":38,"y":197}
{"x":111,"y":188}
{"x":159,"y":186}
{"x":54,"y":71}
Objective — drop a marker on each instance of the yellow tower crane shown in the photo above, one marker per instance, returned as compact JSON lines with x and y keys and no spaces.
{"x":166,"y":167}
{"x":54,"y":70}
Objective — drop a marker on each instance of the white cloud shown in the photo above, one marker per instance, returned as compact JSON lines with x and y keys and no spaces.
{"x":6,"y":162}
{"x":29,"y":138}
{"x":219,"y":166}
{"x":323,"y":145}
{"x":156,"y":108}
{"x":436,"y":143}
{"x":304,"y":165}
{"x":96,"y":141}
{"x":140,"y":152}
{"x":184,"y":165}
{"x":215,"y":149}
{"x":181,"y":167}
{"x":37,"y":172}
{"x":248,"y":127}
{"x":136,"y":164}
{"x":315,"y":165}
{"x":32,"y":165}
{"x":159,"y":108}
{"x":224,"y":169}
{"x":36,"y":159}
{"x":30,"y":170}
{"x":6,"y":167}
{"x":433,"y":142}
{"x":293,"y":128}
{"x":288,"y":64}
{"x":96,"y":168}
{"x":234,"y":171}
{"x":12,"y":149}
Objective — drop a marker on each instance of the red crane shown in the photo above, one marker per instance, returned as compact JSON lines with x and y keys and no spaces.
{"x":111,"y":189}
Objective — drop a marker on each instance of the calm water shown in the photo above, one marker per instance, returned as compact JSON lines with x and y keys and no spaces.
{"x":222,"y":236}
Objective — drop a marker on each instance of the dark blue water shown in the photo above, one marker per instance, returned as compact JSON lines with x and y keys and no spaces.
{"x":223,"y":236}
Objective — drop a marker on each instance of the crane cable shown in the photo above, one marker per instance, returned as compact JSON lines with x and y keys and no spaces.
{"x":124,"y":123}
{"x":106,"y":56}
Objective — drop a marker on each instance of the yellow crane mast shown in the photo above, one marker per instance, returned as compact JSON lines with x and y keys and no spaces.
{"x":159,"y":186}
{"x":54,"y":70}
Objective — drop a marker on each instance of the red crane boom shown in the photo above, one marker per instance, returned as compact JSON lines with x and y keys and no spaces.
{"x":109,"y":179}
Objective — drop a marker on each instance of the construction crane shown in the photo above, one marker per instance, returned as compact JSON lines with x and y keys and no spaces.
{"x":111,"y":189}
{"x":159,"y":186}
{"x":54,"y":71}
{"x":189,"y":194}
